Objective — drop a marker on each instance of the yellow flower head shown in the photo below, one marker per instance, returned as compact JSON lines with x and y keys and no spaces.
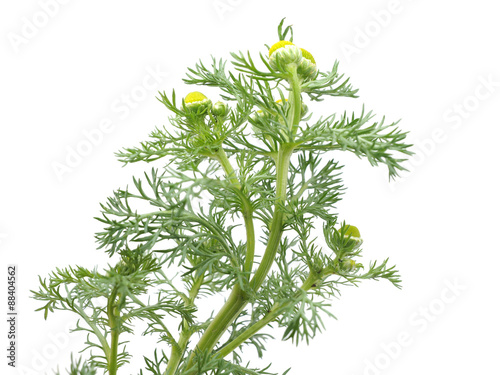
{"x":194,"y":97}
{"x":307,"y":55}
{"x":197,"y":103}
{"x":278,"y":45}
{"x":283,"y":53}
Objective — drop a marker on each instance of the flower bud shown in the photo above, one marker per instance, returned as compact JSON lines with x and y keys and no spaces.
{"x":307,"y":67}
{"x":349,"y":265}
{"x":284,"y":53}
{"x":305,"y":109}
{"x":260,"y":117}
{"x":352,"y":234}
{"x":197,"y":103}
{"x":257,"y":116}
{"x":219,"y":109}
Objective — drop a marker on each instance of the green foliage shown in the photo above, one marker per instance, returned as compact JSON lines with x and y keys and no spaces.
{"x":79,"y":368}
{"x":235,"y":208}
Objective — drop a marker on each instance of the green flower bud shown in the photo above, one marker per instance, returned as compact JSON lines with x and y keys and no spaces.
{"x":197,"y":103}
{"x":259,"y":117}
{"x":352,"y":234}
{"x":349,"y":265}
{"x":284,"y":53}
{"x":219,"y":109}
{"x":305,"y":109}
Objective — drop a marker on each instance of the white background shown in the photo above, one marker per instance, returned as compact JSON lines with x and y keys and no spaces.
{"x":67,"y":69}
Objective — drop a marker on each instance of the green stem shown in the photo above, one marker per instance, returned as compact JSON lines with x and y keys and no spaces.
{"x":176,"y":354}
{"x":228,"y":168}
{"x":113,"y":361}
{"x":246,"y":208}
{"x":276,"y":229}
{"x":178,"y":350}
{"x":250,"y":232}
{"x":229,"y":311}
{"x":113,"y":316}
{"x":302,"y":189}
{"x":295,"y":99}
{"x":154,"y":316}
{"x":95,"y":329}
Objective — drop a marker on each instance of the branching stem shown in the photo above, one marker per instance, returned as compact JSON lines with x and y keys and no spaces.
{"x":178,"y":350}
{"x":238,"y":298}
{"x":246,"y":208}
{"x":275,"y":311}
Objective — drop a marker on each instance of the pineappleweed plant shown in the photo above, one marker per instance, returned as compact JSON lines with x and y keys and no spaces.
{"x":232,"y":212}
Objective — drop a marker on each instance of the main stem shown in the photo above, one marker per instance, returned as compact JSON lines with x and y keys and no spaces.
{"x":238,"y":299}
{"x":276,"y":229}
{"x":113,"y":317}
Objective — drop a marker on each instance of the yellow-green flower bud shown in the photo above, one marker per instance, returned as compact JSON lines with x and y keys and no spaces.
{"x":352,"y":234}
{"x":219,"y":109}
{"x":347,"y":264}
{"x":284,"y":53}
{"x":257,"y":116}
{"x":260,"y":117}
{"x":197,"y":103}
{"x":307,"y":67}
